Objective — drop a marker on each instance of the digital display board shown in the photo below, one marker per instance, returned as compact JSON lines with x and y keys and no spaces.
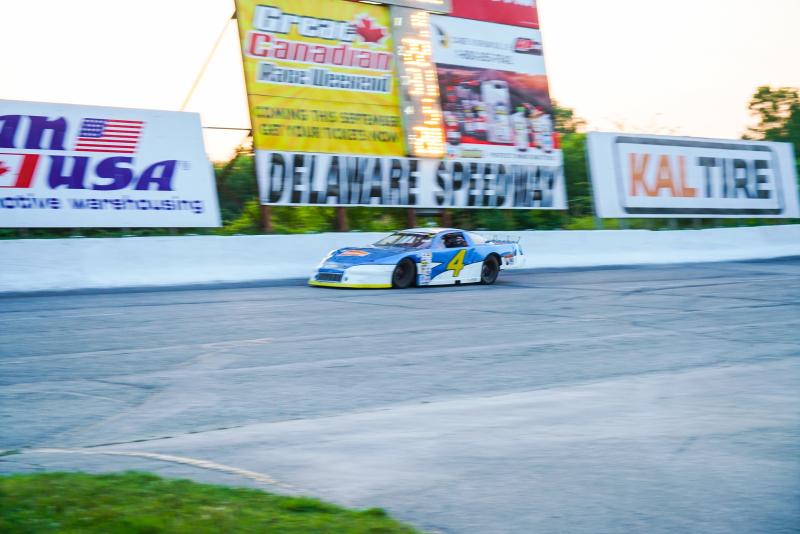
{"x":419,"y":86}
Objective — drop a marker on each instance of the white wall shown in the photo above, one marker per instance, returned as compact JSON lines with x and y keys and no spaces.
{"x":59,"y":264}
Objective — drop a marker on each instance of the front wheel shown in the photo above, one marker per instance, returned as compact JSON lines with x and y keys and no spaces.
{"x":490,"y":270}
{"x":404,"y":273}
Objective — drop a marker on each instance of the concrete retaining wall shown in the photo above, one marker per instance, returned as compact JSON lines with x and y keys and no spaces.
{"x":63,"y":264}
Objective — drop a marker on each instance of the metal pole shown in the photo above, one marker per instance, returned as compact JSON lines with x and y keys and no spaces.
{"x":206,"y":62}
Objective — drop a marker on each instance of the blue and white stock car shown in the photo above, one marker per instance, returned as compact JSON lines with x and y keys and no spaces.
{"x":420,"y":256}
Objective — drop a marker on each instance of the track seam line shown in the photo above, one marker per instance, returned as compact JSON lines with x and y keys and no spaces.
{"x":261,"y":478}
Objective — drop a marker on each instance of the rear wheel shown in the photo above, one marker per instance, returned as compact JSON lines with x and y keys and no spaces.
{"x":404,"y":273}
{"x":489,"y":270}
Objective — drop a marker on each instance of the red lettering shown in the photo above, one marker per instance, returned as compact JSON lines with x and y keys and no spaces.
{"x":256,"y":45}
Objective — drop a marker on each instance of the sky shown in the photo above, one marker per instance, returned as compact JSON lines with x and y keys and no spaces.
{"x":683,"y":67}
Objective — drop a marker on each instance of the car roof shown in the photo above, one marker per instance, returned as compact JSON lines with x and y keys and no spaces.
{"x":429,"y":231}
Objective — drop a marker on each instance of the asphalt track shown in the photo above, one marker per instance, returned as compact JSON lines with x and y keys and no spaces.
{"x":646,"y":399}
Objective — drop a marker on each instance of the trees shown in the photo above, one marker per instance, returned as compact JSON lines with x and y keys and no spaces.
{"x":573,"y":145}
{"x":565,"y":119}
{"x":236,"y":184}
{"x":777,"y":111}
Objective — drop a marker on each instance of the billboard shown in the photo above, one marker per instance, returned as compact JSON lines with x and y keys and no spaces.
{"x":659,"y":176}
{"x":439,"y":6}
{"x":341,"y":92}
{"x":83,"y":166}
{"x":494,"y":91}
{"x":304,"y":179}
{"x":320,"y":76}
{"x":512,"y":12}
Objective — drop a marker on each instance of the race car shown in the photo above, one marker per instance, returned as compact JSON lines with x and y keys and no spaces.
{"x":421,"y":257}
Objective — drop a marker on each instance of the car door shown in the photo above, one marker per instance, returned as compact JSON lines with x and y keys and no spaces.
{"x":451,"y":255}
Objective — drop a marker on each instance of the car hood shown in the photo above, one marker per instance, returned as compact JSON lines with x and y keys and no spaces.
{"x":361,"y":255}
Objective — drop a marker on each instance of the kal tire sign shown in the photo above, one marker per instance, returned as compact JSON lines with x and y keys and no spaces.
{"x":657,"y":176}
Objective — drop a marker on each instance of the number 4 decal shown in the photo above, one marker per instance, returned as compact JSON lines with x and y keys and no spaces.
{"x":457,"y":263}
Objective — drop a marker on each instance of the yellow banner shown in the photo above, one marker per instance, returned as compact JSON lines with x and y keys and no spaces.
{"x":320,"y":76}
{"x":299,"y":125}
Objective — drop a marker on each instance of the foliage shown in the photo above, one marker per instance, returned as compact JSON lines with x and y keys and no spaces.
{"x":579,"y":189}
{"x":248,"y":221}
{"x":236,"y":184}
{"x":135,"y":502}
{"x":777,"y":112}
{"x":303,"y":219}
{"x":565,"y":119}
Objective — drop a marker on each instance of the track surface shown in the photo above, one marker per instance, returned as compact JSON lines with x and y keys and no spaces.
{"x":655,"y":399}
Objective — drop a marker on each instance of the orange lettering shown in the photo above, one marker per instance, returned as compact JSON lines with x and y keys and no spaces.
{"x":639,"y":164}
{"x":686,"y":191}
{"x":664,"y":179}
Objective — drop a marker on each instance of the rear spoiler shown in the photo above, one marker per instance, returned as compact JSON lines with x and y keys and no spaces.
{"x":507,"y":241}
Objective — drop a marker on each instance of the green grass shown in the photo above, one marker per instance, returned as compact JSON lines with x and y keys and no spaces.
{"x":135,"y":502}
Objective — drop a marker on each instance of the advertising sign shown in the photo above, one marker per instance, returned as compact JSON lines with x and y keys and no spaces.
{"x":302,"y":179}
{"x":513,"y":12}
{"x":658,"y":176}
{"x":494,"y":92}
{"x":320,"y":76}
{"x":82,"y":166}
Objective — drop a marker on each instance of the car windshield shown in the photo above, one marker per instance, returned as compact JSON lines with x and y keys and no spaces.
{"x":403,"y":239}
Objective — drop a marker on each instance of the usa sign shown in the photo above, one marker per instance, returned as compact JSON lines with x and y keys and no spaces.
{"x":82,"y":166}
{"x":659,"y":176}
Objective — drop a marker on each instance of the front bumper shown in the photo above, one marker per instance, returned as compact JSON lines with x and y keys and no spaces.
{"x":356,"y":277}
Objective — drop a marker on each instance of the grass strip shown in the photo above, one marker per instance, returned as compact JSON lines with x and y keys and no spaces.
{"x":137,"y":502}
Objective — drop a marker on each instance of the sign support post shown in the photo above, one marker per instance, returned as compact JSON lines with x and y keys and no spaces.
{"x":341,"y":219}
{"x":266,"y":219}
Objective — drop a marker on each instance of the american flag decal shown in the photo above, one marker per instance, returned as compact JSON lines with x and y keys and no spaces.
{"x":109,"y":135}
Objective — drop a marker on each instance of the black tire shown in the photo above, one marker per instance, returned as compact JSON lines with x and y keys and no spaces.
{"x":489,"y":270}
{"x":404,"y":274}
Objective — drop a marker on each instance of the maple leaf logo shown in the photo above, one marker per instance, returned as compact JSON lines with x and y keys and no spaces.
{"x":368,"y":32}
{"x":4,"y":168}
